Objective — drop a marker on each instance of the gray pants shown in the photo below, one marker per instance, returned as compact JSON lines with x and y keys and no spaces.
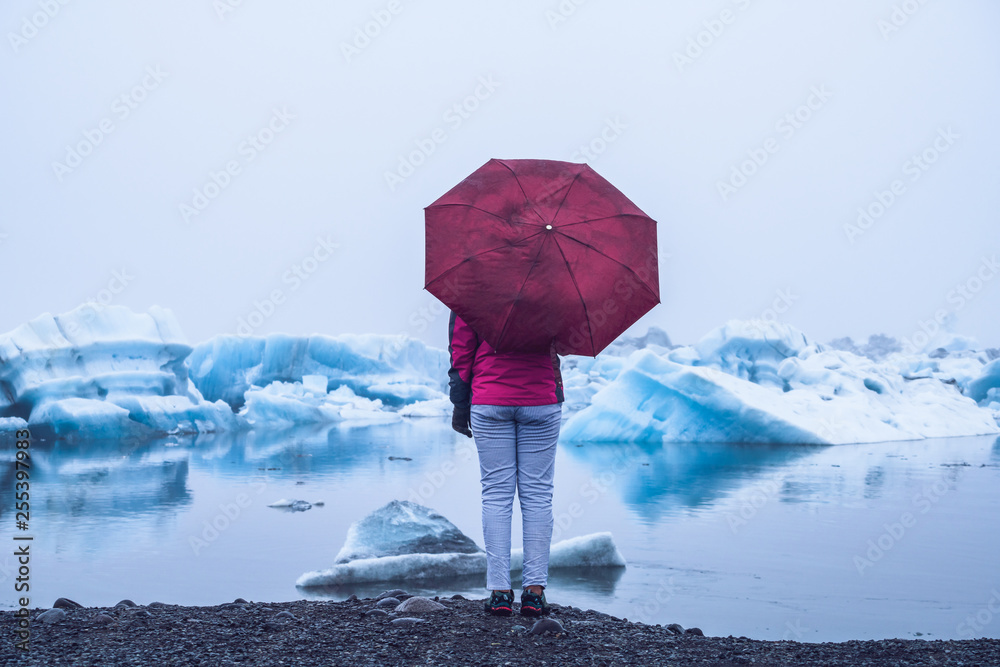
{"x":517,"y":448}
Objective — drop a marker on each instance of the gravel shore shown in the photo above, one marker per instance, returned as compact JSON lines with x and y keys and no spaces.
{"x":450,"y":631}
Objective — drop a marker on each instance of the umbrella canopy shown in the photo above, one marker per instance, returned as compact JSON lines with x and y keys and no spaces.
{"x":535,"y":252}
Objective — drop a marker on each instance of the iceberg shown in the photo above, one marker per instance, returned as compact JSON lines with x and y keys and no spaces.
{"x":403,"y":527}
{"x":761,"y":381}
{"x":396,"y":370}
{"x":285,"y":404}
{"x":107,"y":372}
{"x":103,"y":371}
{"x":406,"y":541}
{"x":986,"y":387}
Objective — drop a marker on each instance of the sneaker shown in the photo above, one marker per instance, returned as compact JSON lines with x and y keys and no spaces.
{"x":501,"y":603}
{"x":533,"y":604}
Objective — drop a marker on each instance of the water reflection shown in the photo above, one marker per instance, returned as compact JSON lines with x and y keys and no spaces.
{"x":657,"y":480}
{"x":113,"y":479}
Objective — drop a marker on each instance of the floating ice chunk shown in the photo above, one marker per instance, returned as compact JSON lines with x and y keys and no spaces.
{"x":403,"y":527}
{"x":284,"y":404}
{"x":594,"y":550}
{"x":12,"y":424}
{"x":397,"y":568}
{"x":407,"y":541}
{"x":293,"y":505}
{"x":435,"y":407}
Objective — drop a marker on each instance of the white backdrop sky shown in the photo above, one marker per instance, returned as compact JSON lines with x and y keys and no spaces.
{"x":672,"y":131}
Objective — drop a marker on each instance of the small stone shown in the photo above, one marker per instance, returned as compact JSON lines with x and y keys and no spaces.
{"x":407,"y":621}
{"x":66,"y":603}
{"x":418,"y":604}
{"x":694,"y":631}
{"x":388,"y":602}
{"x":126,"y":603}
{"x":676,"y":628}
{"x":376,"y":612}
{"x":142,"y":613}
{"x":51,"y":616}
{"x":544,"y":625}
{"x":518,"y":629}
{"x":285,"y":615}
{"x":395,"y":592}
{"x":104,"y":619}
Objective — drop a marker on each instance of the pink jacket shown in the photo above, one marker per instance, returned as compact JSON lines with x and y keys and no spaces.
{"x":482,"y":376}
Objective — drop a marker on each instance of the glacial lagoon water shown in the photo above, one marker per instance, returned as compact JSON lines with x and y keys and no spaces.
{"x":767,"y":541}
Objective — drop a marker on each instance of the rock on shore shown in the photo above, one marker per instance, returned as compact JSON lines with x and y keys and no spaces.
{"x":455,"y":631}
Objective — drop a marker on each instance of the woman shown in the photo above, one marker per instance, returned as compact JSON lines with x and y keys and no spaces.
{"x":513,"y":403}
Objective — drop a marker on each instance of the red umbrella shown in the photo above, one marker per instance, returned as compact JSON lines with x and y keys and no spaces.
{"x":531,"y":252}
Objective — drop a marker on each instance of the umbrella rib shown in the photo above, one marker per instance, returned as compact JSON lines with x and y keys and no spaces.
{"x":583,"y":303}
{"x":516,"y":180}
{"x":476,"y":208}
{"x":608,"y":217}
{"x":472,"y":257}
{"x":618,"y":262}
{"x":565,"y":196}
{"x":517,"y":298}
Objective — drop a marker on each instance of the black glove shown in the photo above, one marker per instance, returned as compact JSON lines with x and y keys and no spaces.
{"x":461,"y":420}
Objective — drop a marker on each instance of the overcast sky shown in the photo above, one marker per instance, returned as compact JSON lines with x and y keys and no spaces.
{"x":225,"y":158}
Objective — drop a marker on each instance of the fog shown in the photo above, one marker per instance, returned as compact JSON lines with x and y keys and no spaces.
{"x":263,"y":167}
